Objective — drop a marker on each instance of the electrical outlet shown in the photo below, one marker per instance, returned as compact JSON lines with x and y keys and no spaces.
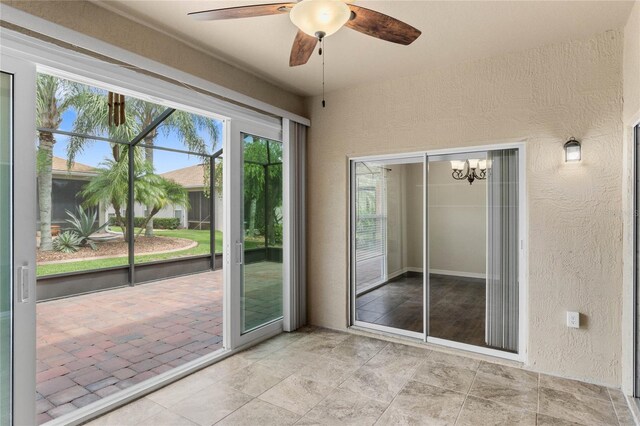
{"x":573,"y":319}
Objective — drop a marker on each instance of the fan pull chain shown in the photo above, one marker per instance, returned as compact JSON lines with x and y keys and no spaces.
{"x":321,"y":52}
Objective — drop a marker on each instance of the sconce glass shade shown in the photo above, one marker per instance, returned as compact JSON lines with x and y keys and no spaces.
{"x":473,"y":163}
{"x":320,"y":16}
{"x":482,"y":164}
{"x":572,"y":151}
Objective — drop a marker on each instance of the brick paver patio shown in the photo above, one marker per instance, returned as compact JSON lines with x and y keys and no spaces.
{"x":91,"y":346}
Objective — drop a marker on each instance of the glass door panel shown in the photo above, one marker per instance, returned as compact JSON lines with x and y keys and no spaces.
{"x":17,"y":252}
{"x":473,"y":248}
{"x":6,"y":85}
{"x":262,"y":227}
{"x":457,"y":217}
{"x":387,"y":244}
{"x":636,"y":243}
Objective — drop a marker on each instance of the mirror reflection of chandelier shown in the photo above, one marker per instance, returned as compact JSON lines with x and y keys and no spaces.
{"x":467,"y":169}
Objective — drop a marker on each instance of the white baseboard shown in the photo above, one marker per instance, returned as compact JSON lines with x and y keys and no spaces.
{"x":395,"y":274}
{"x":435,"y":271}
{"x":457,"y":273}
{"x":404,"y":270}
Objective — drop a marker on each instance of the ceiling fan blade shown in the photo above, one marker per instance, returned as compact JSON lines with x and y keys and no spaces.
{"x":302,"y":49}
{"x":242,"y":11}
{"x":381,"y":26}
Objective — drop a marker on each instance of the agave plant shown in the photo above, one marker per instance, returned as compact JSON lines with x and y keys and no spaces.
{"x":84,"y":224}
{"x":67,"y":242}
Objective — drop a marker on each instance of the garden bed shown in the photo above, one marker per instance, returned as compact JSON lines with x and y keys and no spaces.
{"x":119,"y":247}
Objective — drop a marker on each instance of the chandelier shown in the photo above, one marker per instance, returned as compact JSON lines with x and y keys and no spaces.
{"x":467,"y":170}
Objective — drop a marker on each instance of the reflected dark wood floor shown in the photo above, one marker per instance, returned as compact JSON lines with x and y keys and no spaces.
{"x":457,"y":307}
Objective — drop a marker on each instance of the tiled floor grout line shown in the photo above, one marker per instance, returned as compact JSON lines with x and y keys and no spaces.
{"x":466,"y":395}
{"x":251,"y":362}
{"x":333,"y":388}
{"x":403,"y":385}
{"x":349,"y":376}
{"x":615,"y":410}
{"x":538,"y":402}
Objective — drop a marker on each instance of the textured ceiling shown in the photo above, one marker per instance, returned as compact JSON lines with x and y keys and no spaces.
{"x":452,"y":32}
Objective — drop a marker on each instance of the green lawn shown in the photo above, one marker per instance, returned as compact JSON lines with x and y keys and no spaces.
{"x":201,"y":237}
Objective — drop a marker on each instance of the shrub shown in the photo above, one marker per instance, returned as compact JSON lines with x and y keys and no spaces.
{"x":85,"y":224}
{"x":166,"y":223}
{"x":67,"y":242}
{"x":158,"y":222}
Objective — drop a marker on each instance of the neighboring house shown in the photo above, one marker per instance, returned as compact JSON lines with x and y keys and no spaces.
{"x":67,"y":195}
{"x":197,"y":215}
{"x":66,"y":189}
{"x":192,"y":179}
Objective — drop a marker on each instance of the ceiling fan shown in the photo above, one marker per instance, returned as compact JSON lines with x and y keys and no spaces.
{"x":317,"y":19}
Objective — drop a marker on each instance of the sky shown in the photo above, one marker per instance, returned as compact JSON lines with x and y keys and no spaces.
{"x":164,"y":161}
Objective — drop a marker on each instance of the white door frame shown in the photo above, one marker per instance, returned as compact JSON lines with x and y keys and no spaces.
{"x":233,"y":245}
{"x":523,"y":337}
{"x":24,"y":232}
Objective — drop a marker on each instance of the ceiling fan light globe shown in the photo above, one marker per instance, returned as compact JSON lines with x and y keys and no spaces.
{"x":320,"y":16}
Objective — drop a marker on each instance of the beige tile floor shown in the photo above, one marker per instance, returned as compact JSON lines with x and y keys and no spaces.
{"x":318,"y":376}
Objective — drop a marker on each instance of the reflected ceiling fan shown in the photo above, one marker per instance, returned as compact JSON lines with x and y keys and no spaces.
{"x":317,"y":19}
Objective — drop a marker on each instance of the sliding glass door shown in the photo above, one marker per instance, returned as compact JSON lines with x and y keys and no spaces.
{"x":457,"y":239}
{"x":473,"y":249}
{"x":255,"y":248}
{"x":261,"y":239}
{"x":387,"y":266}
{"x":17,"y":260}
{"x":6,"y":249}
{"x":435,"y":247}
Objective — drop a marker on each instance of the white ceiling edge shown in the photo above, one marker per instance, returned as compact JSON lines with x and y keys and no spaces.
{"x":200,"y":48}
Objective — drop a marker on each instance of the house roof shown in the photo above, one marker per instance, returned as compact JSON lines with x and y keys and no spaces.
{"x":189,"y":177}
{"x":60,"y":165}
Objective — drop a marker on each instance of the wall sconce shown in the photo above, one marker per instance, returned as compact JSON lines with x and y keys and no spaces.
{"x":572,"y":151}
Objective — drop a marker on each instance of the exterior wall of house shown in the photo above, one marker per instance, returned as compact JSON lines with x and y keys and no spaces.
{"x":631,"y":116}
{"x":170,"y":211}
{"x":88,"y":18}
{"x":542,"y":96}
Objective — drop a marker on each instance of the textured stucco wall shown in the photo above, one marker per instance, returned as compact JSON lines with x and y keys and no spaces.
{"x":543,"y":96}
{"x":631,"y":114}
{"x":94,"y":21}
{"x":632,"y":65}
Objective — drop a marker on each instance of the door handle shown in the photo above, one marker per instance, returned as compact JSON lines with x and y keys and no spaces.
{"x":22,"y":284}
{"x":239,"y":253}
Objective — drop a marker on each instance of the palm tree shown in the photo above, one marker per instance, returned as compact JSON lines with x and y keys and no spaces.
{"x":111,"y":186}
{"x":54,"y":96}
{"x":139,"y":115}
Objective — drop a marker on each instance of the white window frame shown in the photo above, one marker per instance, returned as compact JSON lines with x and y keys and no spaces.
{"x":523,"y":338}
